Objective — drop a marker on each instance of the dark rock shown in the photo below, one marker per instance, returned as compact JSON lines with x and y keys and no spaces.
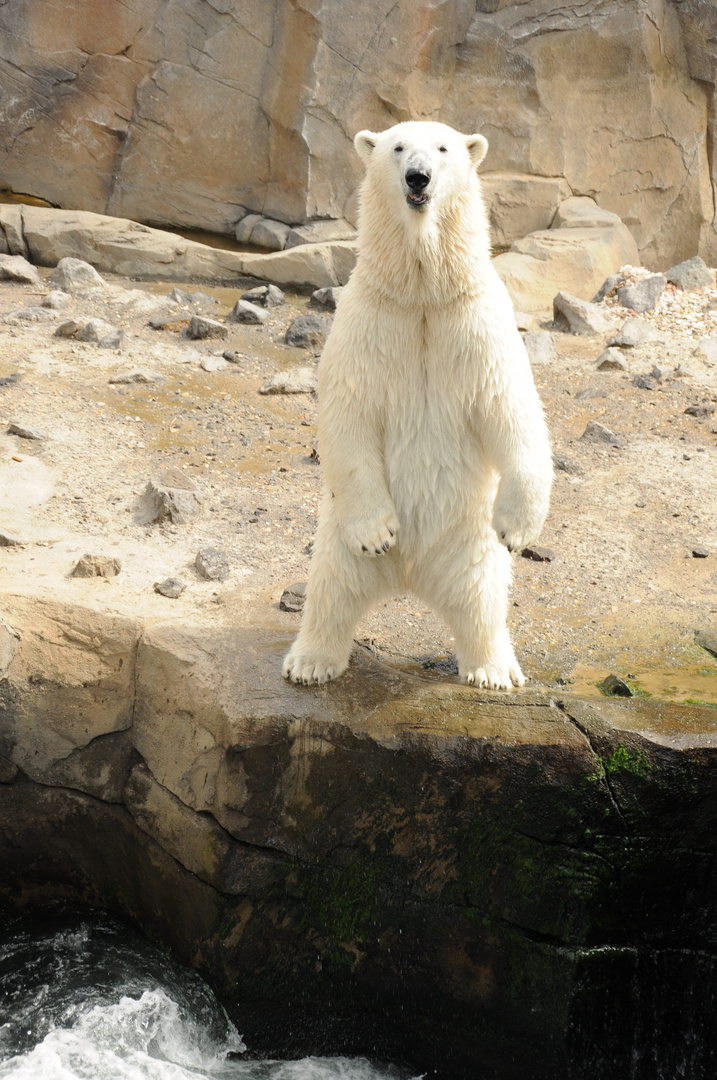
{"x":212,"y":564}
{"x":307,"y":332}
{"x":538,"y":554}
{"x":136,"y":375}
{"x":608,"y":287}
{"x":643,"y":295}
{"x":200,"y":328}
{"x":644,"y":382}
{"x":699,"y":410}
{"x":24,"y":432}
{"x":708,"y":640}
{"x":658,"y":373}
{"x":171,"y":587}
{"x":74,"y":275}
{"x":269,"y":296}
{"x":233,"y":357}
{"x":68,"y":328}
{"x":251,"y":314}
{"x":97,"y":566}
{"x":8,"y":380}
{"x":690,"y":275}
{"x":292,"y":598}
{"x":611,"y":360}
{"x":325,"y":299}
{"x":8,"y":771}
{"x":596,"y":432}
{"x":699,"y":553}
{"x":613,"y":686}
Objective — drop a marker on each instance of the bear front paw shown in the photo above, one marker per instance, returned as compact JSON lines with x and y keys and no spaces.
{"x":371,"y":536}
{"x":495,"y":676}
{"x":308,"y":668}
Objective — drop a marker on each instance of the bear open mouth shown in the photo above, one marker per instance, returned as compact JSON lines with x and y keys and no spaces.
{"x":417,"y":201}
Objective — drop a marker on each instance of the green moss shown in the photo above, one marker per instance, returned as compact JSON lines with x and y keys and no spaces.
{"x":623,"y":760}
{"x":699,"y":701}
{"x":342,"y":902}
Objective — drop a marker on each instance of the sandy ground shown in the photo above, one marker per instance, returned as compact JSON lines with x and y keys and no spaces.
{"x":622,"y":594}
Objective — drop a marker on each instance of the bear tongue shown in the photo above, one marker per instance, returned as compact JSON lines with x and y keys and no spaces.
{"x":417,"y":200}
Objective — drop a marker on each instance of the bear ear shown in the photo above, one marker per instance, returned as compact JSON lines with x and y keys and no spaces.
{"x":477,"y":147}
{"x":365,"y":143}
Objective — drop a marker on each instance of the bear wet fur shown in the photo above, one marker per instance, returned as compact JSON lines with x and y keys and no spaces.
{"x":434,"y":448}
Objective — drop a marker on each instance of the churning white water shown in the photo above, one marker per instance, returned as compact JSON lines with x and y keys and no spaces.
{"x":92,"y":1001}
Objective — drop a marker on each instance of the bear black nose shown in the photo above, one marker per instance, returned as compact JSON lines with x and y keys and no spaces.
{"x":417,"y":179}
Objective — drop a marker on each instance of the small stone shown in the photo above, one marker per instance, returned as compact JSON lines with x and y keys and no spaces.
{"x":31,"y":314}
{"x":608,"y":287}
{"x":7,"y":380}
{"x":699,"y":410}
{"x":72,"y":275}
{"x":297,"y":381}
{"x":173,"y":496}
{"x":113,"y":340}
{"x":597,"y":433}
{"x":163,"y":321}
{"x":583,"y":317}
{"x":642,"y":295}
{"x":307,"y":332}
{"x":538,"y":554}
{"x":590,"y":392}
{"x":55,"y":300}
{"x":97,"y":566}
{"x":690,"y":275}
{"x":178,"y":296}
{"x":644,"y":382}
{"x":659,"y":373}
{"x":136,"y":375}
{"x":700,"y":553}
{"x":8,"y":539}
{"x":565,"y":464}
{"x":213,"y":363}
{"x":706,"y":350}
{"x":613,"y":686}
{"x":212,"y":564}
{"x":634,"y":332}
{"x":326,"y":299}
{"x":292,"y":599}
{"x":18,"y":269}
{"x":233,"y":357}
{"x":200,"y":328}
{"x":24,"y":432}
{"x":267,"y":296}
{"x":708,"y":640}
{"x":95,"y":330}
{"x":244,"y":312}
{"x":171,"y":587}
{"x":612,"y":360}
{"x":540,"y":347}
{"x":681,"y":372}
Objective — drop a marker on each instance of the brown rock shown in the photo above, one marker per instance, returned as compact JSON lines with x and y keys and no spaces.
{"x":97,"y":566}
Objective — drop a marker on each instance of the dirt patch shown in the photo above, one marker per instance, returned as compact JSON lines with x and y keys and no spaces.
{"x":623,"y":592}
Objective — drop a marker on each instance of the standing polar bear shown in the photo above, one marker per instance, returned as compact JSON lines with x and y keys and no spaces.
{"x":434,"y":448}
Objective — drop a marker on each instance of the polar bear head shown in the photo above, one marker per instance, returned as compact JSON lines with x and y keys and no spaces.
{"x":421,"y":162}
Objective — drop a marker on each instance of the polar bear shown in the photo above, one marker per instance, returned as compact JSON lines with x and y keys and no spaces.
{"x":434,"y":448}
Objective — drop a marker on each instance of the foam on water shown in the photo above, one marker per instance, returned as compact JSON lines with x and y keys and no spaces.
{"x":95,"y":1002}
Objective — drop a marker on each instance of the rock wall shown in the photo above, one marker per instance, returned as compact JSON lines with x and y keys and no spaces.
{"x":190,"y":112}
{"x":506,"y":886}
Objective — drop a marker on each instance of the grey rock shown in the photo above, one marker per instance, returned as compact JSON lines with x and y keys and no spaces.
{"x":136,"y":375}
{"x":112,"y":340}
{"x":645,"y":382}
{"x":326,"y":299}
{"x":307,"y":332}
{"x":212,"y":564}
{"x":538,"y":554}
{"x":292,"y":598}
{"x":681,"y":372}
{"x":31,"y":314}
{"x":173,"y":496}
{"x":18,"y":269}
{"x":267,"y":296}
{"x":690,"y":275}
{"x":614,"y":686}
{"x":706,"y":350}
{"x":200,"y":328}
{"x":707,"y":638}
{"x":245,"y":312}
{"x":611,"y":360}
{"x":643,"y":295}
{"x":319,"y":232}
{"x":95,"y":330}
{"x":700,"y":553}
{"x":608,"y":287}
{"x":56,"y":300}
{"x":634,"y":332}
{"x":7,"y":380}
{"x":8,"y":539}
{"x":22,"y":431}
{"x":97,"y":566}
{"x":244,"y":228}
{"x":582,"y":212}
{"x":699,"y":410}
{"x":596,"y":432}
{"x":213,"y":363}
{"x":590,"y":392}
{"x":658,"y":373}
{"x":297,"y":381}
{"x":75,"y":275}
{"x":565,"y":464}
{"x":195,"y":299}
{"x":233,"y":357}
{"x":171,"y":587}
{"x":540,"y":347}
{"x":270,"y":234}
{"x":583,"y":317}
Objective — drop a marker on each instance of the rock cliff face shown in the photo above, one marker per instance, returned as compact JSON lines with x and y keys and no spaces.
{"x":191,"y":113}
{"x":509,"y":886}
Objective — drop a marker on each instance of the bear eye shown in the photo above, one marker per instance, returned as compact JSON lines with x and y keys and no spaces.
{"x":443,"y":149}
{"x":398,"y":149}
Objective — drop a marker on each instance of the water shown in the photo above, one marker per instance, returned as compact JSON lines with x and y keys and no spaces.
{"x":84,"y":998}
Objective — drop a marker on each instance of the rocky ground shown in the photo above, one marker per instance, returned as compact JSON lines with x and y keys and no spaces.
{"x":623,"y":592}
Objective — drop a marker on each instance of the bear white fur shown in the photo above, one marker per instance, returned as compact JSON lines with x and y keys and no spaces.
{"x":434,"y":448}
